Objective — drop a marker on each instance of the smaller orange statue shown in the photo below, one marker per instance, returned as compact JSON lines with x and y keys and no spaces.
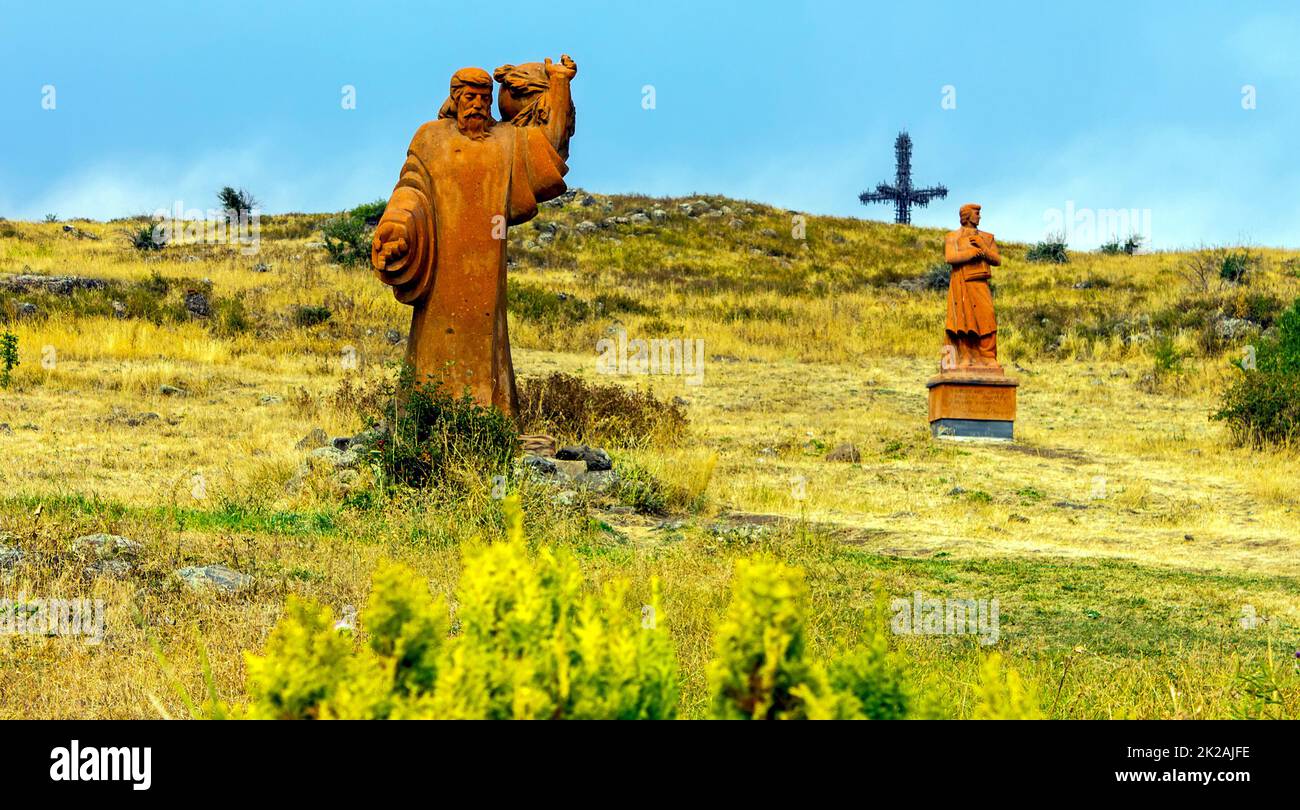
{"x":971,"y":397}
{"x":972,"y":329}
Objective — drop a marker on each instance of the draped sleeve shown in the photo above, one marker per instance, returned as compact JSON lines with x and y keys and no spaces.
{"x":536,"y":174}
{"x":412,"y":206}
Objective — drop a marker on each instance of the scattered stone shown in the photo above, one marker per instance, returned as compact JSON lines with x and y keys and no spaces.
{"x":393,"y":337}
{"x":736,"y":223}
{"x":59,"y":285}
{"x":106,"y":546}
{"x":10,"y":557}
{"x":955,"y":491}
{"x":340,"y":459}
{"x":80,"y":234}
{"x":26,"y":309}
{"x":368,"y":437}
{"x":171,"y":391}
{"x":196,"y":303}
{"x":4,"y":428}
{"x":261,"y":267}
{"x":588,"y":201}
{"x":1119,"y":372}
{"x":597,"y":480}
{"x":595,"y":458}
{"x":315,"y":438}
{"x":214,"y":577}
{"x":586,"y":227}
{"x":639,"y":219}
{"x":341,"y":442}
{"x":537,"y":464}
{"x":658,"y":214}
{"x":112,"y":567}
{"x":270,"y":399}
{"x":570,"y":469}
{"x":119,"y":309}
{"x":845,"y":452}
{"x":1230,"y":329}
{"x":1070,"y":505}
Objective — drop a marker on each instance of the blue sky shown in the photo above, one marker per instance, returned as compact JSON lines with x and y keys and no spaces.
{"x":1096,"y":106}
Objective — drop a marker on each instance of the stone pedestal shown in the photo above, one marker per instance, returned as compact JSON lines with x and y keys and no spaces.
{"x":972,"y":404}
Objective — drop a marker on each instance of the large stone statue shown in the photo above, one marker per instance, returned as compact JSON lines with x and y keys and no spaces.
{"x":441,"y":243}
{"x":971,"y":398}
{"x":972,"y":329}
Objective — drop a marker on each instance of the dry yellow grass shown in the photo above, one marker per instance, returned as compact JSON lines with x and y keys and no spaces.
{"x":1118,"y":493}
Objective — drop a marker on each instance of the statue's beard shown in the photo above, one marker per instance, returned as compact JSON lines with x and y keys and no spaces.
{"x":474,"y":126}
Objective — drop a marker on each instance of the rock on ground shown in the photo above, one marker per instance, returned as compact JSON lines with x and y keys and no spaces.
{"x":214,"y":577}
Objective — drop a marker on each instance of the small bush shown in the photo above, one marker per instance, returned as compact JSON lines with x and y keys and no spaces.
{"x":1051,"y":249}
{"x":1167,"y":356}
{"x":573,"y":410}
{"x":347,"y":240}
{"x":1263,"y":406}
{"x":370,"y":213}
{"x":310,"y":315}
{"x":427,"y":437}
{"x":938,"y":276}
{"x":1236,"y":265}
{"x":1127,"y":247}
{"x":146,"y":238}
{"x":8,"y":357}
{"x":530,"y":645}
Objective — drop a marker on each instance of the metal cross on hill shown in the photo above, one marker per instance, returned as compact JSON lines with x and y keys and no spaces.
{"x":901,"y":194}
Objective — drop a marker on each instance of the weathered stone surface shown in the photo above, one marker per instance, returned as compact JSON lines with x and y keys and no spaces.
{"x":60,"y":285}
{"x":488,"y":172}
{"x":171,"y":391}
{"x":570,"y":469}
{"x":214,"y":577}
{"x":10,"y":557}
{"x":107,"y":545}
{"x":196,"y":303}
{"x":316,"y":437}
{"x":845,"y":452}
{"x":342,"y":459}
{"x":537,"y":464}
{"x":595,"y":458}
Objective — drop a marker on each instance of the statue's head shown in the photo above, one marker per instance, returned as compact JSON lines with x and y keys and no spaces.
{"x":470,"y":102}
{"x":970,"y":215}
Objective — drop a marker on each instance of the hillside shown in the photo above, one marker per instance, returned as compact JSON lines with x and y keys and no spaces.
{"x":1123,"y":533}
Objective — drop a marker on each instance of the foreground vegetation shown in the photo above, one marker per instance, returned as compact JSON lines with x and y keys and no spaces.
{"x":1143,"y":555}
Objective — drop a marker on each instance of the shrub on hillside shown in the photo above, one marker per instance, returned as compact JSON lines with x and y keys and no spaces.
{"x":1127,"y":247}
{"x":1263,"y":406}
{"x":347,"y":236}
{"x":8,"y":357}
{"x":146,"y":238}
{"x":530,"y":644}
{"x":426,"y":436}
{"x":574,"y":410}
{"x":1051,"y":249}
{"x":347,"y":240}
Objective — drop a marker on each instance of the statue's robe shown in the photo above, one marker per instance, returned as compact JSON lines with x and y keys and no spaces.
{"x":970,"y":300}
{"x":455,"y":197}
